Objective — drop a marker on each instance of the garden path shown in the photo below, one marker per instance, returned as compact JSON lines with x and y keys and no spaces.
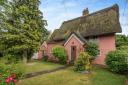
{"x":29,"y":75}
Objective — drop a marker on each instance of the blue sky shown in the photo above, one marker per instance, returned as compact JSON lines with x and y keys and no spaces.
{"x":57,"y":11}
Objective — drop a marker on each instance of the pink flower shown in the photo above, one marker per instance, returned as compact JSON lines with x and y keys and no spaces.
{"x":10,"y":78}
{"x":7,"y":80}
{"x":15,"y":81}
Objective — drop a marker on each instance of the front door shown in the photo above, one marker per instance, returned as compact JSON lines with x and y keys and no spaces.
{"x":73,"y":53}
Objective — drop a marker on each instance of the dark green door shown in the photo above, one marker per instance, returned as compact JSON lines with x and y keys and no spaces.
{"x":73,"y":53}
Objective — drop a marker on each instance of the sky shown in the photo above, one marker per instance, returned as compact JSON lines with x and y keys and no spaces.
{"x":58,"y":11}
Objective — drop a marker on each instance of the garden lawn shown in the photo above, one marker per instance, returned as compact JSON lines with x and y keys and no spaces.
{"x":102,"y":76}
{"x":67,"y":76}
{"x":34,"y":66}
{"x":38,"y":66}
{"x":61,"y":77}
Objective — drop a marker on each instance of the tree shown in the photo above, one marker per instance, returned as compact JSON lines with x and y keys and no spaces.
{"x":24,"y":30}
{"x":4,"y":12}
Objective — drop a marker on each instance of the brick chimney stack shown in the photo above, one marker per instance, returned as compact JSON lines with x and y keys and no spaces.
{"x":85,"y":12}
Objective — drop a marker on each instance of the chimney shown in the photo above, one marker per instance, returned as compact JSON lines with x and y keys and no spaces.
{"x":85,"y":12}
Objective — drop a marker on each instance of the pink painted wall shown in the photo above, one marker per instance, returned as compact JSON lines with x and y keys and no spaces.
{"x":106,"y":44}
{"x":73,"y":42}
{"x":40,"y":52}
{"x":49,"y":53}
{"x":48,"y":50}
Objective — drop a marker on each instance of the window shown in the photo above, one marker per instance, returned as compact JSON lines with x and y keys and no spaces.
{"x":93,"y":39}
{"x":100,"y":52}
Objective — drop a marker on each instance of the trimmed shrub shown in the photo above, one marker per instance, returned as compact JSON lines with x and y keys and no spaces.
{"x":117,"y":61}
{"x":82,"y":63}
{"x":60,"y":53}
{"x":92,"y":50}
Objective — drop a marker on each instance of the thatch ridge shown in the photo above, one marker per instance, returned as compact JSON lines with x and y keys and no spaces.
{"x":105,"y":21}
{"x":115,"y":7}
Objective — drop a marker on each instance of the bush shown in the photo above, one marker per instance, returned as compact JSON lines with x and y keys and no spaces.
{"x":125,"y":48}
{"x":10,"y":74}
{"x":60,"y":53}
{"x":92,"y":50}
{"x":117,"y":61}
{"x":11,"y":59}
{"x":82,"y":63}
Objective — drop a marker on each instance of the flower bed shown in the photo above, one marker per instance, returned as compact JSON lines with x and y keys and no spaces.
{"x":9,"y":74}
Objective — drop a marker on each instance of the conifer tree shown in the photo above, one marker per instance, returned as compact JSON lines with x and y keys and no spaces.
{"x":24,"y":30}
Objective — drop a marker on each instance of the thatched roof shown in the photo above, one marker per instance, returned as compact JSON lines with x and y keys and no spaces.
{"x":105,"y":21}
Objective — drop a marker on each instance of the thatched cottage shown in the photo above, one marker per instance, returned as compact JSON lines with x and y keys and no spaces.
{"x":99,"y":27}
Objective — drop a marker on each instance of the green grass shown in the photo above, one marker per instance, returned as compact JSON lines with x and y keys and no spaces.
{"x":34,"y":66}
{"x":67,"y":76}
{"x":62,"y":77}
{"x":102,"y":76}
{"x":99,"y":76}
{"x":38,"y":66}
